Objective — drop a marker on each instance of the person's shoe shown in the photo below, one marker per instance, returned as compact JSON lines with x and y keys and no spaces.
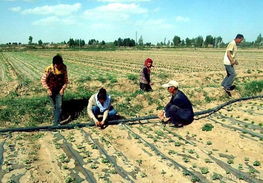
{"x":228,"y":92}
{"x":232,"y":87}
{"x":178,"y":125}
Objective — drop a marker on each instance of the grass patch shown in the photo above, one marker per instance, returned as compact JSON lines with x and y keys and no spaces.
{"x":132,"y":77}
{"x":84,"y":79}
{"x":33,"y":110}
{"x":102,"y":79}
{"x":253,"y":88}
{"x":112,"y":79}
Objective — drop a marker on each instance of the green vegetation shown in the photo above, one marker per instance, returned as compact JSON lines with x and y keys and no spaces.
{"x":207,"y":127}
{"x":132,"y":77}
{"x":216,"y":176}
{"x":256,"y":163}
{"x":204,"y":170}
{"x":252,"y":88}
{"x":32,"y":110}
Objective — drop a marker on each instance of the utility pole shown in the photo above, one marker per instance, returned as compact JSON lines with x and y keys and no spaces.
{"x":136,"y":38}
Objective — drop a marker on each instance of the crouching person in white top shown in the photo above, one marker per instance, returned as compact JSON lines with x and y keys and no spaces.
{"x":100,"y":105}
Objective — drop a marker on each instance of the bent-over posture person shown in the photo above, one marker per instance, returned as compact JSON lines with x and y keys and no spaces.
{"x":100,"y":104}
{"x":179,"y":110}
{"x":145,"y":80}
{"x":229,"y":62}
{"x":55,"y":80}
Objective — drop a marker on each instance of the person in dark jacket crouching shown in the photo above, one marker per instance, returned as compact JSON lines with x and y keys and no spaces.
{"x":179,"y":110}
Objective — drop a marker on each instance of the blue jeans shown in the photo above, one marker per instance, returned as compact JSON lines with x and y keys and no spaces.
{"x":56,"y":100}
{"x":229,"y":79}
{"x":96,"y":112}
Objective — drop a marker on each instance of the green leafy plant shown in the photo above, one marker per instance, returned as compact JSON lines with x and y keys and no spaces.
{"x":204,"y":170}
{"x":256,"y":163}
{"x":230,"y":161}
{"x":207,"y":127}
{"x":216,"y":176}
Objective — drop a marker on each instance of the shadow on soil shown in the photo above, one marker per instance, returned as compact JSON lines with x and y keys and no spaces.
{"x":72,"y":109}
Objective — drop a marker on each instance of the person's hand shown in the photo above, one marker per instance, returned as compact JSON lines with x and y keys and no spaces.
{"x":49,"y":92}
{"x":98,"y":123}
{"x":61,"y":92}
{"x":151,"y":83}
{"x":161,"y":115}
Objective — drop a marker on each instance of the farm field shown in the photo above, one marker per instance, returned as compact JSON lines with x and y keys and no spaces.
{"x":144,"y":151}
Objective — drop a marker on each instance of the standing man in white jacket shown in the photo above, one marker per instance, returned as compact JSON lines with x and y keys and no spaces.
{"x":229,"y":62}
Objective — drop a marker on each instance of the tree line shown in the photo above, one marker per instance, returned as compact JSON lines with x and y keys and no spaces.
{"x":199,"y":42}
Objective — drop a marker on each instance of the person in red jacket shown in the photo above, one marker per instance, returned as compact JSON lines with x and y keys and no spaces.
{"x":145,"y":79}
{"x":55,"y":80}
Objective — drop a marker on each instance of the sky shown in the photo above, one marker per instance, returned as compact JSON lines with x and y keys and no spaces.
{"x":154,"y":20}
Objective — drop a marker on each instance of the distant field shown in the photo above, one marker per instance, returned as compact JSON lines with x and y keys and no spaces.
{"x":150,"y":152}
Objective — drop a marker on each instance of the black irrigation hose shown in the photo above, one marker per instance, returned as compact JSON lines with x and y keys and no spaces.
{"x":239,"y":129}
{"x":174,"y":163}
{"x":78,"y":160}
{"x":1,"y":153}
{"x":119,"y":169}
{"x":71,"y":126}
{"x":239,"y":122}
{"x":237,"y":173}
{"x":217,"y":108}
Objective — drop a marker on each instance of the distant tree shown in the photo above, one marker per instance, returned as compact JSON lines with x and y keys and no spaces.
{"x":93,"y":42}
{"x":199,"y":41}
{"x":82,"y":43}
{"x":124,"y":42}
{"x":176,"y":40}
{"x":102,"y":42}
{"x":245,"y":44}
{"x":183,"y":43}
{"x":140,"y":41}
{"x":128,"y":42}
{"x":188,"y":42}
{"x":118,"y":42}
{"x":218,"y":42}
{"x":209,"y":40}
{"x":148,"y":44}
{"x":168,"y":43}
{"x":259,"y":40}
{"x":71,"y":42}
{"x":30,"y":40}
{"x":40,"y":42}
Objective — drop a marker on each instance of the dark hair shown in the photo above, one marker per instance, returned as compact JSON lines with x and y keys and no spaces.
{"x":239,"y":36}
{"x":57,"y":59}
{"x":102,"y":94}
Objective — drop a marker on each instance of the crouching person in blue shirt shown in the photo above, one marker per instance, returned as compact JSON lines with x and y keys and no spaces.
{"x":100,"y":105}
{"x":179,"y":110}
